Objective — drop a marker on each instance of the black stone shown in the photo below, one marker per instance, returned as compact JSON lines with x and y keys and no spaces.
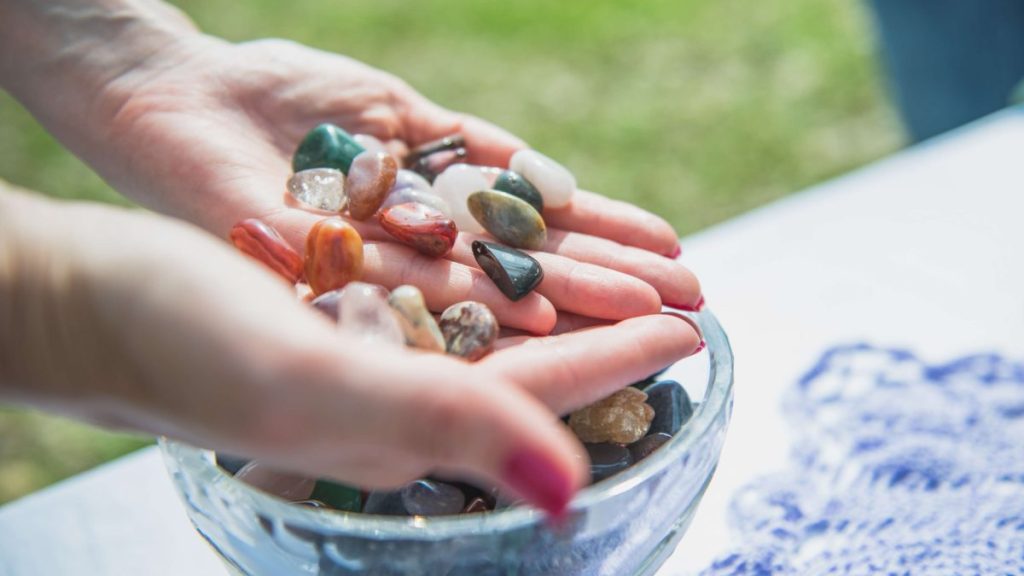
{"x":432,"y":498}
{"x":385,"y":503}
{"x":516,"y":273}
{"x":513,"y":183}
{"x":671,"y":406}
{"x":326,"y":146}
{"x":607,"y":459}
{"x":432,"y":165}
{"x":231,"y":464}
{"x":643,"y":447}
{"x":453,"y":142}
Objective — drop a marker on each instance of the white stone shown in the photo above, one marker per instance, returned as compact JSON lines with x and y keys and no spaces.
{"x":370,"y":143}
{"x":364,"y":312}
{"x":421,"y":330}
{"x":454,"y":186}
{"x":320,"y":188}
{"x":554,"y":182}
{"x":409,"y":179}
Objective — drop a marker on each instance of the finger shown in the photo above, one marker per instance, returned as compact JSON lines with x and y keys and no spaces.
{"x":673,"y":283}
{"x":596,"y":215}
{"x":437,"y":410}
{"x":572,"y":370}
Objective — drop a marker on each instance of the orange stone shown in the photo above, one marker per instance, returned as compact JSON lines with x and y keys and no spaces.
{"x":334,"y":255}
{"x":256,"y":239}
{"x":622,"y":418}
{"x":420,"y":226}
{"x":369,"y":180}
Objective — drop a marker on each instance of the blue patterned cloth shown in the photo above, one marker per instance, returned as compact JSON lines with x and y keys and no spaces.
{"x":899,"y":468}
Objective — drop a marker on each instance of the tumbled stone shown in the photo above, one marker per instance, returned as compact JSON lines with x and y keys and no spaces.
{"x":364,"y":312}
{"x":476,"y":505}
{"x":414,"y":194}
{"x":326,"y":146}
{"x":427,"y":230}
{"x":311,"y":504}
{"x":554,"y":182}
{"x":284,"y":485}
{"x":623,"y":418}
{"x":320,"y":188}
{"x":334,"y":255}
{"x":509,"y":219}
{"x":515,"y":273}
{"x":328,"y":303}
{"x":470,"y":330}
{"x":607,"y":460}
{"x":230,"y":464}
{"x":369,"y":143}
{"x":454,"y":186}
{"x":338,"y":496}
{"x":450,"y":142}
{"x":432,"y":498}
{"x":643,"y":447}
{"x":259,"y":240}
{"x":385,"y":503}
{"x":671,"y":406}
{"x":369,"y":180}
{"x":430,"y":167}
{"x":418,"y":324}
{"x":513,"y":183}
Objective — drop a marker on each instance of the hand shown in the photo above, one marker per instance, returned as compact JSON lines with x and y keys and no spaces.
{"x":174,"y":334}
{"x":204,"y":130}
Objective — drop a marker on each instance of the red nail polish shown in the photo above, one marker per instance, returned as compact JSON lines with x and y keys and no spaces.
{"x":539,"y":481}
{"x":675,"y":252}
{"x":697,"y":307}
{"x":700,"y":347}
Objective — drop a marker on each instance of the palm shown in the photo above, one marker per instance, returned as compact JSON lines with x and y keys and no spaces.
{"x":211,"y":140}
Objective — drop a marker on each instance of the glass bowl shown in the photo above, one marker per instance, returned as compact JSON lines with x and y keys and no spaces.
{"x":627,"y":524}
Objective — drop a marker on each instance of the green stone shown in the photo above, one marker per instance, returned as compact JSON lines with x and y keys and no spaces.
{"x":509,"y":219}
{"x":338,"y":496}
{"x":326,"y":146}
{"x":514,"y":183}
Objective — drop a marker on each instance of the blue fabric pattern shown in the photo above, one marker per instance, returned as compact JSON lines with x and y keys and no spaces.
{"x":899,"y":467}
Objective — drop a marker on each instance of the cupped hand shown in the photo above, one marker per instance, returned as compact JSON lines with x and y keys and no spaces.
{"x":205,"y":130}
{"x":173,"y":333}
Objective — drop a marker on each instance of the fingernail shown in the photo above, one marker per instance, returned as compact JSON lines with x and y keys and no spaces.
{"x":696,"y":307}
{"x":539,"y":481}
{"x":675,"y":251}
{"x":700,"y":347}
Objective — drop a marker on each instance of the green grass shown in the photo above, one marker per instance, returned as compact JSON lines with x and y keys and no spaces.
{"x":695,"y":109}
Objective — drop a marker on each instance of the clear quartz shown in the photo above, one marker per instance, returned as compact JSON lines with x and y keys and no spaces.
{"x":364,"y":312}
{"x":320,"y":188}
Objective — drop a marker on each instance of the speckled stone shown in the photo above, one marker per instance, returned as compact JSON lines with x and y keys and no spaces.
{"x":364,"y":312}
{"x":284,"y":485}
{"x":326,"y":146}
{"x":513,"y":183}
{"x":643,"y":447}
{"x":454,"y":186}
{"x":606,"y":460}
{"x":432,"y":498}
{"x":334,"y":255}
{"x":470,"y":330}
{"x":427,"y":230}
{"x":622,"y":418}
{"x":418,"y":324}
{"x":320,"y":188}
{"x":511,"y":220}
{"x":672,"y":408}
{"x":338,"y":496}
{"x":554,"y":182}
{"x":515,"y":273}
{"x":370,"y":178}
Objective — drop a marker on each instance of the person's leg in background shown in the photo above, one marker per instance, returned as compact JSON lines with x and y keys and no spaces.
{"x":950,"y":61}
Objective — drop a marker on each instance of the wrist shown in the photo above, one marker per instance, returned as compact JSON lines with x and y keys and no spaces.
{"x":65,"y":60}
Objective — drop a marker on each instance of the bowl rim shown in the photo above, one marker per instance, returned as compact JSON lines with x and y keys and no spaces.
{"x":716,"y":400}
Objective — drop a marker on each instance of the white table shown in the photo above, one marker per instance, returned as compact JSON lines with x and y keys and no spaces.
{"x":924,"y":250}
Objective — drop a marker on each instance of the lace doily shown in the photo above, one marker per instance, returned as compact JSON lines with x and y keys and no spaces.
{"x":899,"y":467}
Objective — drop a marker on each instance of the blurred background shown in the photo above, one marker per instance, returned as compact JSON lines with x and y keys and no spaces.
{"x":695,"y":109}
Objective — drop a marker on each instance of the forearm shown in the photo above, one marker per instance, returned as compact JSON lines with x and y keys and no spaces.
{"x":63,"y":59}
